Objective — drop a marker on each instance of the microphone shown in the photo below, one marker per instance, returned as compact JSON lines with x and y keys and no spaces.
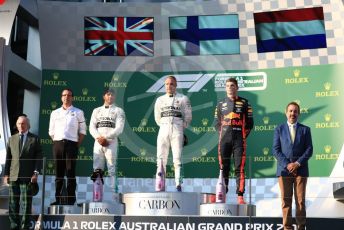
{"x":171,"y":95}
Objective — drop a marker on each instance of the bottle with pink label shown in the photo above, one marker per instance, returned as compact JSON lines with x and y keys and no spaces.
{"x":160,"y":178}
{"x":98,"y":190}
{"x":220,"y":189}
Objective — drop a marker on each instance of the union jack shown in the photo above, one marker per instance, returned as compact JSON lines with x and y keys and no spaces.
{"x":119,"y":36}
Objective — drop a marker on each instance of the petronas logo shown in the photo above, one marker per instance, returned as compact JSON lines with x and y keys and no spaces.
{"x":296,"y":73}
{"x":327,"y":86}
{"x":205,"y":121}
{"x":53,"y":104}
{"x":265,"y":151}
{"x":266,"y":120}
{"x":204,"y":151}
{"x":327,"y":148}
{"x":328,"y":117}
{"x":56,"y":76}
{"x":84,"y":91}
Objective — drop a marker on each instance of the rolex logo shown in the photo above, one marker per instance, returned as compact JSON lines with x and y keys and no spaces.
{"x":205,"y":121}
{"x":82,"y":150}
{"x":56,"y":76}
{"x":172,"y":168}
{"x":204,"y":151}
{"x":327,"y":148}
{"x":328,"y":117}
{"x":115,"y":77}
{"x":84,"y":91}
{"x":50,"y":164}
{"x":327,"y":86}
{"x":265,"y":151}
{"x":143,"y":122}
{"x":53,"y":104}
{"x":296,"y":73}
{"x":266,"y":120}
{"x":143,"y":152}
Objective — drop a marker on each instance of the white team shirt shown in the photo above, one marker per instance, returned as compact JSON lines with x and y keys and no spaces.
{"x":67,"y":124}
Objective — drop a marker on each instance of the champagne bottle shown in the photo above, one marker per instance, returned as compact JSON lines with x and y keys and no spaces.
{"x":160,"y":178}
{"x":220,"y":189}
{"x":98,"y":190}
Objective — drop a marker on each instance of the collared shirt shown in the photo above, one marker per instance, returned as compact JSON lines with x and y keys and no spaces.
{"x":67,"y":124}
{"x":292,"y":126}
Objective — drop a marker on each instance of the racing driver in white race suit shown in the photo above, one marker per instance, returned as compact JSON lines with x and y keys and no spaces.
{"x":107,"y":123}
{"x":173,"y":114}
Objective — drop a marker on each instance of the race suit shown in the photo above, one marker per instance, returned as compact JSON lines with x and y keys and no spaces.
{"x":172,"y":113}
{"x":108,"y":122}
{"x":234,"y":122}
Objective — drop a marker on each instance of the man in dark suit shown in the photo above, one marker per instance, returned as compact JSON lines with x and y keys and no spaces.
{"x":292,"y":147}
{"x":23,"y":163}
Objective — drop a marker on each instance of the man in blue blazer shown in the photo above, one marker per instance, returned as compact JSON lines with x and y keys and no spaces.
{"x":292,"y":147}
{"x":23,"y":163}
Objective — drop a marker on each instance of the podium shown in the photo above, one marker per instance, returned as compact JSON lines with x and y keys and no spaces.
{"x":103,"y":208}
{"x":63,"y":209}
{"x":223,"y":209}
{"x":162,"y":203}
{"x":114,"y":207}
{"x":158,"y":204}
{"x":338,"y":191}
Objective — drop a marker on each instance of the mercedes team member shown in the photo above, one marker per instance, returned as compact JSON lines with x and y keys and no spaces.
{"x":173,"y":114}
{"x":67,"y":128}
{"x":107,"y":123}
{"x":234,"y":121}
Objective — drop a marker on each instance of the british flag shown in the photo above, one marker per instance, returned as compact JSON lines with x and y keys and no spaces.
{"x":119,"y":36}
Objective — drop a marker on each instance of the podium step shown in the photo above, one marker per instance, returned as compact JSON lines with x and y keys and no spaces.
{"x":103,"y":208}
{"x":338,"y":191}
{"x":162,"y":203}
{"x":63,"y":209}
{"x":222,"y":209}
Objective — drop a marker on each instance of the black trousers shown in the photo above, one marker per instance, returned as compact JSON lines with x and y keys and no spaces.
{"x":65,"y":154}
{"x":232,"y":145}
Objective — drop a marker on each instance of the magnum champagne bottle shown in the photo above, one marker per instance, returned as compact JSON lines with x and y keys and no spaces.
{"x":220,"y":189}
{"x":160,"y":178}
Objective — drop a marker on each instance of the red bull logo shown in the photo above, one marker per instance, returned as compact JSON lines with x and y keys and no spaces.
{"x":236,"y":122}
{"x":232,"y":115}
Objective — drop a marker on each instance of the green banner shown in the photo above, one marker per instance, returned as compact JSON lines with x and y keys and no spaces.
{"x":315,"y":88}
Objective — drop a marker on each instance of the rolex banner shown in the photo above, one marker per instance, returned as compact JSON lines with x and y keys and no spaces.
{"x":315,"y":88}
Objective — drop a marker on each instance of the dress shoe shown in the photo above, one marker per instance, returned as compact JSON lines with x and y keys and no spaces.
{"x":179,"y":188}
{"x":55,"y":203}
